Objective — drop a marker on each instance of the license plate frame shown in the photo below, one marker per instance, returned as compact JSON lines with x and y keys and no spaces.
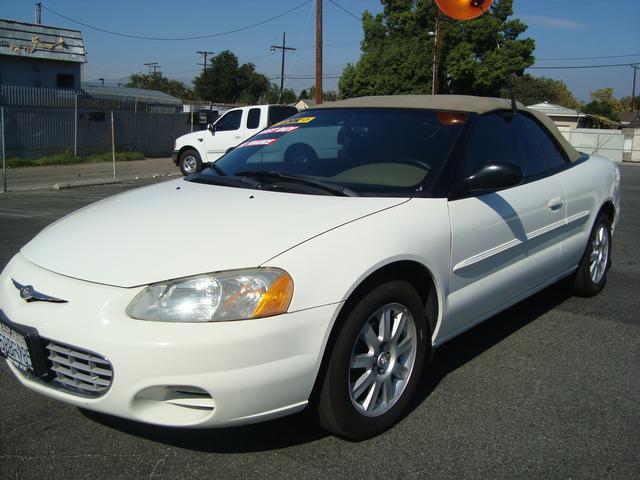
{"x":22,"y":346}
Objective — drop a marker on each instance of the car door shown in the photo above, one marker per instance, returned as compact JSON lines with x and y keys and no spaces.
{"x":580,"y":201}
{"x":228,"y":133}
{"x":504,"y":243}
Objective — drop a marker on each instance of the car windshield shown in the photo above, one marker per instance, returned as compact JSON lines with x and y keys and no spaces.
{"x":353,"y":151}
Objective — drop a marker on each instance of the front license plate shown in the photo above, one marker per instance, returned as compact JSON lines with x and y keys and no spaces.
{"x":21,"y":346}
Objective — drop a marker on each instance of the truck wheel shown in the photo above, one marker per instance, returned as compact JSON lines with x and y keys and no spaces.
{"x":190,"y":162}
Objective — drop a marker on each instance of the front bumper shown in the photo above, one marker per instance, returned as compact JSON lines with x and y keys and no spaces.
{"x":174,"y":156}
{"x":186,"y":375}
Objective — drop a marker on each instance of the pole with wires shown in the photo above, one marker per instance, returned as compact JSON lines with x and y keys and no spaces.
{"x":436,"y":56}
{"x":318,"y":52}
{"x":283,"y":49}
{"x":633,"y":90}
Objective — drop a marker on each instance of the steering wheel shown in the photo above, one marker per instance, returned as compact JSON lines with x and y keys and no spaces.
{"x":300,"y":154}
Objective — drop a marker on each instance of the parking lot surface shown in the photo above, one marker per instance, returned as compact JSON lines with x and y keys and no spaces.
{"x":547,"y":389}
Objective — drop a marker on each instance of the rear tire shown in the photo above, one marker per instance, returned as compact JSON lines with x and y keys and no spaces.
{"x":190,"y":162}
{"x":591,"y":276}
{"x":376,"y":363}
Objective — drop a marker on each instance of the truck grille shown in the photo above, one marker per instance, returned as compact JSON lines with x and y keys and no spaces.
{"x":78,"y":371}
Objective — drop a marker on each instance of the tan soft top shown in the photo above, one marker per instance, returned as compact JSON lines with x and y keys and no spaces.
{"x":456,"y":103}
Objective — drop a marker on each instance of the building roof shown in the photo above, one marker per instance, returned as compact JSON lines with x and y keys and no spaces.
{"x":97,"y":90}
{"x":556,"y":110}
{"x":455,"y":103}
{"x":18,"y":39}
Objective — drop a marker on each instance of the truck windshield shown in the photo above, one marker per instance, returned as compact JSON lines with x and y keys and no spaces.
{"x":379,"y":152}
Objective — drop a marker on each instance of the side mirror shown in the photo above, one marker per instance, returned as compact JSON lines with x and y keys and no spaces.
{"x":211,"y":127}
{"x":494,"y":176}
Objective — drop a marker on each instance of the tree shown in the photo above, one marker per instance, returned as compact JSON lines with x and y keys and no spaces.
{"x":531,"y":90}
{"x":625,"y":103}
{"x":273,"y":95}
{"x":327,"y":95}
{"x":227,"y":81}
{"x":398,"y":51}
{"x":253,"y":85}
{"x":604,"y":104}
{"x":156,"y":81}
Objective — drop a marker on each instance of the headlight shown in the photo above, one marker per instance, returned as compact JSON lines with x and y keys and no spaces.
{"x":215,"y":297}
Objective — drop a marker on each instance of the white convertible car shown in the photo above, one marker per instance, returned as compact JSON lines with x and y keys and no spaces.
{"x":341,"y":246}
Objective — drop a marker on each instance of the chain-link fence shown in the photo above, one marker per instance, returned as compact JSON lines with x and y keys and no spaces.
{"x":51,"y":138}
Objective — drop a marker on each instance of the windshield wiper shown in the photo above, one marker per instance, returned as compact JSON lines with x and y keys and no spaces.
{"x":318,"y":184}
{"x":225,"y":180}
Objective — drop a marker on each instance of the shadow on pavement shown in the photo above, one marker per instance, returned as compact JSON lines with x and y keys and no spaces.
{"x":467,"y":346}
{"x":298,"y":429}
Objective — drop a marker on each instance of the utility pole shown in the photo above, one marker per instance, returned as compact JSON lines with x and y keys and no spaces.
{"x":318,"y":51}
{"x":38,"y":13}
{"x":153,"y":67}
{"x":633,"y":91}
{"x":283,"y":50}
{"x":436,"y":57}
{"x":204,"y":54}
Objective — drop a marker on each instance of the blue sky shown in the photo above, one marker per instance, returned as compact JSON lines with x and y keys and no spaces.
{"x":561,"y":29}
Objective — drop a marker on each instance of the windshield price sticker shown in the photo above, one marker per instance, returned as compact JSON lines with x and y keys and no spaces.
{"x":258,"y":143}
{"x":296,"y":120}
{"x":14,"y":347}
{"x":279,"y":130}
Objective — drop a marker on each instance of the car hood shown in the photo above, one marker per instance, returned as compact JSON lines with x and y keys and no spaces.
{"x":179,"y":228}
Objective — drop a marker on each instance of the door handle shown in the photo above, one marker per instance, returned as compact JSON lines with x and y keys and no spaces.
{"x":555,"y":204}
{"x":238,"y":136}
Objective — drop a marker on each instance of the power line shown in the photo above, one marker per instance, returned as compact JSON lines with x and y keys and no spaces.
{"x":345,"y":10}
{"x":581,"y":66}
{"x":198,"y":37}
{"x":591,"y":58}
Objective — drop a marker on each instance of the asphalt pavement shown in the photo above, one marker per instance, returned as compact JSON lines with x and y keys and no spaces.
{"x":548,"y":389}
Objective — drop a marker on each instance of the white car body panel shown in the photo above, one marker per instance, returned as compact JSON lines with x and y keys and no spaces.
{"x":163,"y":243}
{"x":217,"y":143}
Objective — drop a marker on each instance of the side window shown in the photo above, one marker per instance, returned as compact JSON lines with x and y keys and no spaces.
{"x":64,"y":80}
{"x":253,"y":119}
{"x":501,"y":138}
{"x":278,"y":113}
{"x":545,"y":145}
{"x":229,"y":121}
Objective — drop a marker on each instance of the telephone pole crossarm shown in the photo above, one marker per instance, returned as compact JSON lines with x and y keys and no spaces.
{"x":283,"y":48}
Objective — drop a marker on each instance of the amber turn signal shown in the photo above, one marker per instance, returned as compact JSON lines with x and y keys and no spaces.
{"x":276,"y":300}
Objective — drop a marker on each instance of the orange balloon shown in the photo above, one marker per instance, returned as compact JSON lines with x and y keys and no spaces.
{"x":464,"y":9}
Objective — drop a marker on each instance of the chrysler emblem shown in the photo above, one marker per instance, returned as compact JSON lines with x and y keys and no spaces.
{"x":29,"y":294}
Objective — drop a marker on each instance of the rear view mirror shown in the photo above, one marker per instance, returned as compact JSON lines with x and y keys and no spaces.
{"x":211,"y":127}
{"x":494,"y":176}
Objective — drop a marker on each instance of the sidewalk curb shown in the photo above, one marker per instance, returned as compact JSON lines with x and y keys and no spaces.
{"x":86,"y":183}
{"x":91,"y":183}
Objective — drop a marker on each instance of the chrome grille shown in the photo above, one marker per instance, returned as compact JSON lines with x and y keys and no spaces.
{"x":79,"y":371}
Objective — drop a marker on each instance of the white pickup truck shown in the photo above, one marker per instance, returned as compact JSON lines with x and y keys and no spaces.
{"x":193,"y":150}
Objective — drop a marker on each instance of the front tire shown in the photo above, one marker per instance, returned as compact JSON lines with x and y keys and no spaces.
{"x":591,"y":276}
{"x":190,"y":162}
{"x":375,"y":364}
